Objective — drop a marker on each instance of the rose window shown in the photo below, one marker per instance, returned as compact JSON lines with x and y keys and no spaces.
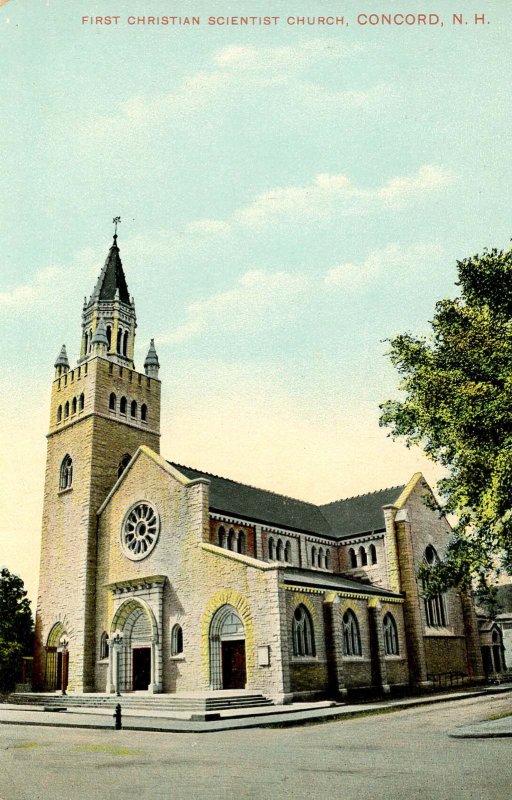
{"x":140,"y":531}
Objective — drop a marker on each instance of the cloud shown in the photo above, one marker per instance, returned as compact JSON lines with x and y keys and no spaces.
{"x":328,"y":196}
{"x":393,"y":258}
{"x":26,"y":295}
{"x":257,"y":295}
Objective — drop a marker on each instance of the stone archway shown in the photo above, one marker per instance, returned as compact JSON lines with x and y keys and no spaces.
{"x":227,"y":650}
{"x":57,"y":659}
{"x":134,"y":659}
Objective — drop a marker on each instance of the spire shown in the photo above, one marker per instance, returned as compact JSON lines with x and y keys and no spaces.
{"x":61,"y":362}
{"x":151,"y":364}
{"x":111,"y":284}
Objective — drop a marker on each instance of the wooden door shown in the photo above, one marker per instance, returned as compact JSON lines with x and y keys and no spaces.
{"x":233,"y":664}
{"x":141,"y":668}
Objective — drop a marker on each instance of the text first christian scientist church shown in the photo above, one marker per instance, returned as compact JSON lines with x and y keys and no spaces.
{"x":159,"y":577}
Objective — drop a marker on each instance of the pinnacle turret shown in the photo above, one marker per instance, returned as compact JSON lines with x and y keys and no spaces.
{"x":61,"y":362}
{"x":151,"y":364}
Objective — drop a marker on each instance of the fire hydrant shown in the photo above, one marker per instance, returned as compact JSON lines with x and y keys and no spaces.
{"x":117,"y":718}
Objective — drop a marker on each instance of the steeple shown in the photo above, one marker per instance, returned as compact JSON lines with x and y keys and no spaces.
{"x":111,"y":302}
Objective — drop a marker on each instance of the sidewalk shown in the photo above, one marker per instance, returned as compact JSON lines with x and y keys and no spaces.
{"x":279,"y":716}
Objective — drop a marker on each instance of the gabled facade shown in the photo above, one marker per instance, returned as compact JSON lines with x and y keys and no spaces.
{"x":163,"y":578}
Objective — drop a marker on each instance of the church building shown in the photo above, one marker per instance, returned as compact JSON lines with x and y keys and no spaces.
{"x":162,"y":578}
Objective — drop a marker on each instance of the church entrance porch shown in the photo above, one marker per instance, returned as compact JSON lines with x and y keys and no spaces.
{"x":227,"y":650}
{"x":134,"y":653}
{"x":57,"y":659}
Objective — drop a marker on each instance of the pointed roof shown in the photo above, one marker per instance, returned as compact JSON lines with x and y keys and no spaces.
{"x":151,"y":358}
{"x":62,"y":358}
{"x":100,"y":334}
{"x":112,"y":281}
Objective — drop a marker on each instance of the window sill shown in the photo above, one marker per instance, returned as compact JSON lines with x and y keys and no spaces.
{"x":179,"y":657}
{"x":66,"y":490}
{"x":392,"y":657}
{"x":357,"y":659}
{"x":304,"y":660}
{"x":440,"y":631}
{"x":104,"y":661}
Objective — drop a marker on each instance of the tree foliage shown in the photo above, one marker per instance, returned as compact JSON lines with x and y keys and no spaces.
{"x":458,"y":407}
{"x":15,"y":627}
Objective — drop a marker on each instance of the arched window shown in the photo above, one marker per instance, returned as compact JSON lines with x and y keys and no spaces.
{"x":177,"y":640}
{"x":119,"y":340}
{"x":104,"y":645}
{"x":271,"y":553}
{"x":302,"y":632}
{"x":66,"y":472}
{"x":390,"y":635}
{"x":288,"y":552}
{"x":73,"y":406}
{"x":143,"y":412}
{"x":362,"y":556}
{"x":280,"y":550}
{"x":112,"y":400}
{"x":81,"y":402}
{"x":321,"y":558}
{"x":133,"y":409}
{"x":59,"y":414}
{"x":86,"y":343}
{"x":313,"y":556}
{"x":109,"y":336}
{"x":125,"y":343}
{"x":373,"y":554}
{"x":123,"y":464}
{"x":241,"y":542}
{"x":435,"y":608}
{"x":327,"y":559}
{"x":231,"y":539}
{"x":351,"y":635}
{"x":66,"y":410}
{"x":222,"y":536}
{"x":353,"y":558}
{"x":122,"y":405}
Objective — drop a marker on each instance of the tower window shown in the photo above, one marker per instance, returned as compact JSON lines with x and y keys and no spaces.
{"x":86,"y":343}
{"x":222,"y":536}
{"x":123,"y":464}
{"x":271,"y":552}
{"x":66,"y":409}
{"x":66,"y":473}
{"x":353,"y":558}
{"x":144,"y":412}
{"x":73,"y":406}
{"x":133,"y":409}
{"x":373,"y":554}
{"x":125,"y":343}
{"x":112,"y":401}
{"x":288,"y":552}
{"x":122,"y":405}
{"x":119,"y":340}
{"x":81,"y":402}
{"x":59,"y":414}
{"x":109,"y":336}
{"x":177,"y":640}
{"x":363,"y":557}
{"x":313,"y":556}
{"x":241,"y":542}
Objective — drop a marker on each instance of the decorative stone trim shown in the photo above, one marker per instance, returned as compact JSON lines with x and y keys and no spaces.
{"x":240,"y":603}
{"x":340,"y":593}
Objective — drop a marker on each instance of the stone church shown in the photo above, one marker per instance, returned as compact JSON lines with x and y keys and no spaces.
{"x":160,"y":577}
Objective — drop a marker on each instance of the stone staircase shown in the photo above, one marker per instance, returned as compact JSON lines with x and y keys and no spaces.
{"x":188,"y":704}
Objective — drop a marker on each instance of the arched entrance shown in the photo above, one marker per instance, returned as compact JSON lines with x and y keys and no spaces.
{"x":57,"y":659}
{"x":134,"y":655}
{"x":227,"y":650}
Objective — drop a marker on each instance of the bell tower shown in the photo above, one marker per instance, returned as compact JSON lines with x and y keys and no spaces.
{"x":101,"y":411}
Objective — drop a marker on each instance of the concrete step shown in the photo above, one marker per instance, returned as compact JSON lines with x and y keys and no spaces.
{"x":160,"y":702}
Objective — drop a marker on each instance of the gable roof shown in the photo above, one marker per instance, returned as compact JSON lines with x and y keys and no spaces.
{"x":360,"y":514}
{"x":336,"y":520}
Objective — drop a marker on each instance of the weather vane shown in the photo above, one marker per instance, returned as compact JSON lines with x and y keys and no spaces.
{"x":116,"y":220}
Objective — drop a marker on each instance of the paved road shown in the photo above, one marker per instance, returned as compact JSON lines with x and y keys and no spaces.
{"x":402,"y":755}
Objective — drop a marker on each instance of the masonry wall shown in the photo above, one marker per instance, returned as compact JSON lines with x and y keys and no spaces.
{"x":96,"y":443}
{"x":200,"y":579}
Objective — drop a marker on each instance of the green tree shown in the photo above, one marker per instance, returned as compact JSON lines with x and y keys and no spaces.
{"x":457,"y":405}
{"x":15,"y":628}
